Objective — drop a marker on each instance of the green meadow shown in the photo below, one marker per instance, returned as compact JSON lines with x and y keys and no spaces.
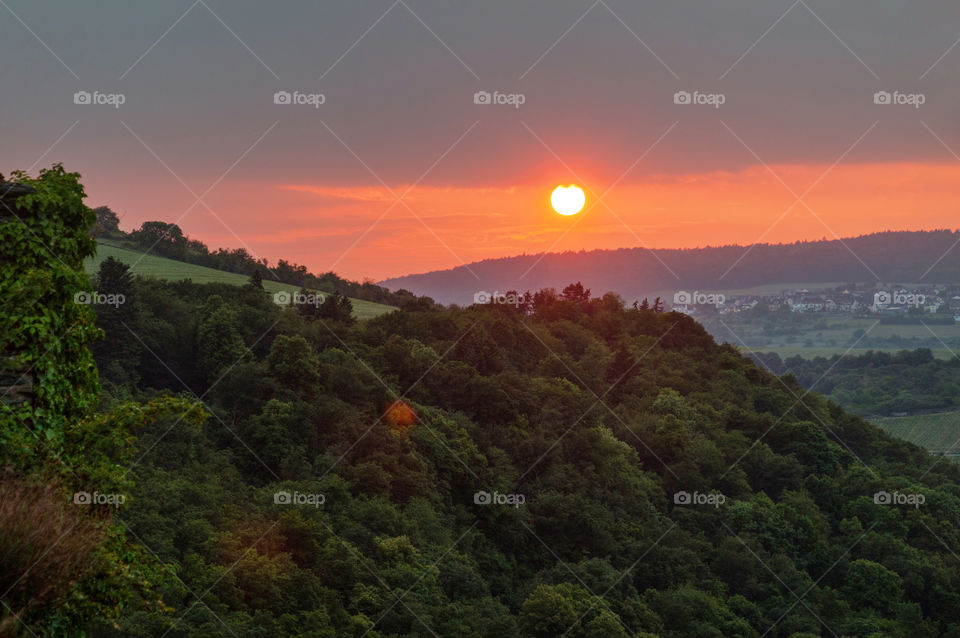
{"x":170,"y":269}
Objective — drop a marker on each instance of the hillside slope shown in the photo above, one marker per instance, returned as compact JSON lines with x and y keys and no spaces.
{"x":172,"y":270}
{"x":585,"y":470}
{"x":903,"y":257}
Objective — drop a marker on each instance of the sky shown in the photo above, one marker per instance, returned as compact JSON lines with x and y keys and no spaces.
{"x":687,"y":123}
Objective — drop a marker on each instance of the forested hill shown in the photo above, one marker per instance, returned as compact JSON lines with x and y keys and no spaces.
{"x":573,"y":468}
{"x":584,"y":467}
{"x":905,"y":257}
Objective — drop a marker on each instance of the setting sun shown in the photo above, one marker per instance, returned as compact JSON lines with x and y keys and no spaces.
{"x":567,"y":200}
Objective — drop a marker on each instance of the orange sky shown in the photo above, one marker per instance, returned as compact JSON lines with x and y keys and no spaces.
{"x":331,"y":227}
{"x":400,"y":85}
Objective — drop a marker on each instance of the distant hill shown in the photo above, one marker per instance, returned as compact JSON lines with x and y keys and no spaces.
{"x":173,"y":270}
{"x":895,"y":256}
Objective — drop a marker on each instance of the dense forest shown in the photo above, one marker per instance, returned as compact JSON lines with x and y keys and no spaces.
{"x":576,"y":467}
{"x":877,"y":383}
{"x":895,"y":256}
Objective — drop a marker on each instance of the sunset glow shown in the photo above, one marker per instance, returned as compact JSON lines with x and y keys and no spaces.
{"x":567,"y":200}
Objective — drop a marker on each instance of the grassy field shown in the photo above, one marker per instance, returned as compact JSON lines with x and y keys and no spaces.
{"x":935,"y":432}
{"x":825,"y":351}
{"x":163,"y":268}
{"x":813,"y":335}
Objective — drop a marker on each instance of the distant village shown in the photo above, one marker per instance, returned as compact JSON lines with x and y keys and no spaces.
{"x":892,"y":301}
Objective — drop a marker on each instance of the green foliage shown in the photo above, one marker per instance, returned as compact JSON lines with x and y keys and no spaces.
{"x":505,"y":401}
{"x":305,"y":508}
{"x":65,"y":559}
{"x":43,"y":243}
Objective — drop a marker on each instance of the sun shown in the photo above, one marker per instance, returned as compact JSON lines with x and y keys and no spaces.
{"x":568,"y":200}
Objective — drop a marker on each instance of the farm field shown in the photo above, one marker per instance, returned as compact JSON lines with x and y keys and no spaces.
{"x":825,"y":351}
{"x":938,"y":433}
{"x":829,"y":334}
{"x":170,"y":269}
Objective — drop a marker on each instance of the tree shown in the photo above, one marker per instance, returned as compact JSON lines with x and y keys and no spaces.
{"x":576,"y":293}
{"x":44,"y":240}
{"x":293,"y":362}
{"x":256,"y":279}
{"x":163,"y":238}
{"x":547,"y":613}
{"x":871,"y":585}
{"x":107,"y":222}
{"x":336,"y":307}
{"x":115,"y":316}
{"x":219,"y":344}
